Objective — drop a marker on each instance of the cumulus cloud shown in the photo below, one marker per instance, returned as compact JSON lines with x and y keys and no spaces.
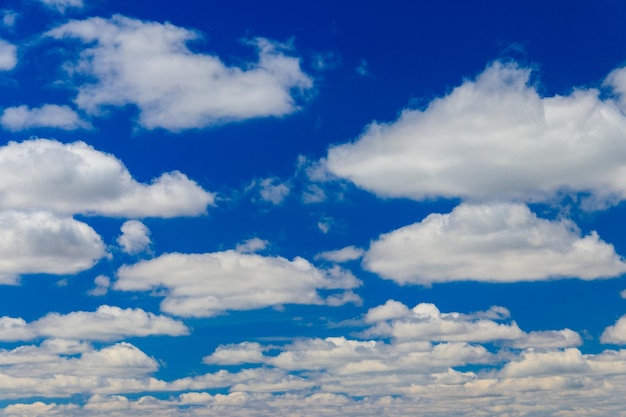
{"x":349,"y":253}
{"x":41,"y":242}
{"x":204,"y":285}
{"x":615,"y":334}
{"x":48,"y":115}
{"x":494,"y":137}
{"x":273,"y":191}
{"x":148,"y":64}
{"x":75,"y":178}
{"x":252,"y":245}
{"x":494,"y":242}
{"x":8,"y":56}
{"x":425,"y":322}
{"x":107,"y":323}
{"x":102,"y":286}
{"x":135,"y":237}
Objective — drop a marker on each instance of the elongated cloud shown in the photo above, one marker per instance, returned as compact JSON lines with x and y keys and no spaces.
{"x":41,"y":242}
{"x":149,"y":65}
{"x":494,"y":137}
{"x":8,"y":55}
{"x":48,"y":115}
{"x":75,"y":178}
{"x":107,"y":323}
{"x":490,"y":243}
{"x":204,"y":285}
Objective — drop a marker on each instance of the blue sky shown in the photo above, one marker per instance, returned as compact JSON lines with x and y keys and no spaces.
{"x":272,"y":208}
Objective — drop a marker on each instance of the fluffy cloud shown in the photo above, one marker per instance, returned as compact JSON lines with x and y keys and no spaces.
{"x":135,"y":237}
{"x":41,"y":242}
{"x":494,"y":137}
{"x":107,"y":323}
{"x":252,"y":245}
{"x":425,"y":322}
{"x":8,"y":56}
{"x":149,"y":65}
{"x":273,"y":191}
{"x":615,"y":334}
{"x":490,"y":243}
{"x":76,"y":178}
{"x":204,"y":285}
{"x":102,"y":285}
{"x":49,"y":115}
{"x":349,"y":253}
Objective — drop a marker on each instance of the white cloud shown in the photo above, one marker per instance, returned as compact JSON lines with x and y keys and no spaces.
{"x":252,"y":245}
{"x":41,"y":242}
{"x":491,"y":243}
{"x":76,"y":178}
{"x":494,"y":137}
{"x":204,"y":285}
{"x":8,"y":56}
{"x":349,"y":253}
{"x":273,"y":191}
{"x":426,"y":323}
{"x":313,"y":194}
{"x":236,"y":354}
{"x":48,"y":115}
{"x":8,"y":17}
{"x":102,"y":286}
{"x":135,"y":237}
{"x":62,"y":5}
{"x":149,"y":65}
{"x":615,"y":334}
{"x":107,"y":323}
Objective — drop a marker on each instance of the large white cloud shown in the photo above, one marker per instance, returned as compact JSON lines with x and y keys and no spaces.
{"x":425,"y":322}
{"x":497,"y":242}
{"x":149,"y":65}
{"x":41,"y":242}
{"x":107,"y":323}
{"x":208,"y":284}
{"x":76,"y":178}
{"x":494,"y":137}
{"x":48,"y":115}
{"x":8,"y":55}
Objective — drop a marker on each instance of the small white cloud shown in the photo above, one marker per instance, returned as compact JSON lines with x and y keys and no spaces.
{"x":476,"y":143}
{"x":75,"y":178}
{"x":8,"y":56}
{"x":615,"y":334}
{"x":107,"y":323}
{"x":49,"y":115}
{"x":349,"y":253}
{"x":62,"y":5}
{"x":8,"y":18}
{"x":135,"y":237}
{"x":623,"y":293}
{"x":41,"y":242}
{"x":313,"y":194}
{"x":205,"y":285}
{"x":324,"y":225}
{"x":102,"y":283}
{"x":148,"y":64}
{"x":363,"y":69}
{"x":252,"y":245}
{"x":391,"y":310}
{"x":490,"y":243}
{"x":246,"y":352}
{"x":274,"y":191}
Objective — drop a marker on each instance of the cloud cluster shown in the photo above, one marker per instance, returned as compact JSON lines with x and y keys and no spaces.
{"x":494,"y":137}
{"x":149,"y":65}
{"x":76,"y":178}
{"x":204,"y":285}
{"x":48,"y":115}
{"x":496,"y":242}
{"x":41,"y":242}
{"x":107,"y":323}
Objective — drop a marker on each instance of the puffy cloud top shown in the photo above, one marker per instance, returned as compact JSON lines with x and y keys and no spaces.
{"x":149,"y":65}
